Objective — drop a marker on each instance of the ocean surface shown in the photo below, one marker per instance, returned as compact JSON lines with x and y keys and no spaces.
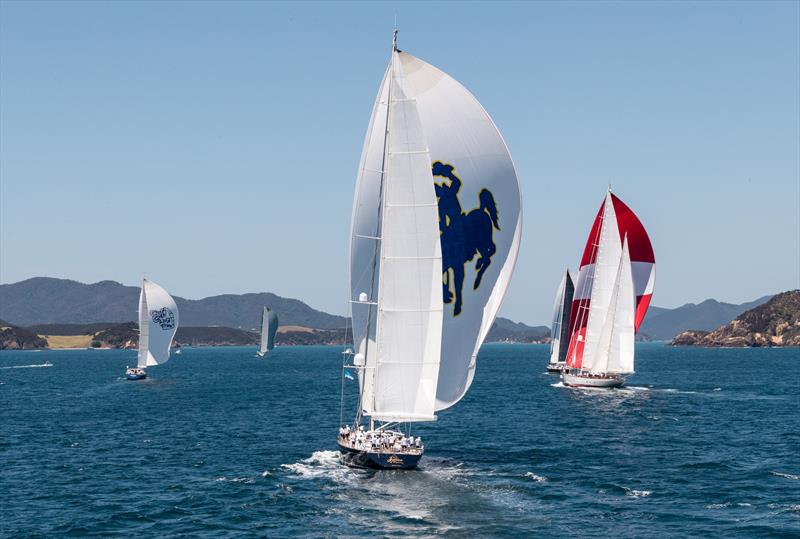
{"x":219,"y":443}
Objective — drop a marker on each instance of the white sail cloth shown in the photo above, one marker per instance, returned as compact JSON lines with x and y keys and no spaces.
{"x":262,"y":349}
{"x":555,"y":327}
{"x":158,"y":322}
{"x":473,"y":215}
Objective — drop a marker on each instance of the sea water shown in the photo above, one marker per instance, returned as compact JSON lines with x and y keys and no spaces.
{"x":219,"y":443}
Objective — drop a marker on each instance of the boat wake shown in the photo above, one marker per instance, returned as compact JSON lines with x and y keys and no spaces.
{"x":48,"y":364}
{"x":787,"y":475}
{"x":321,"y":464}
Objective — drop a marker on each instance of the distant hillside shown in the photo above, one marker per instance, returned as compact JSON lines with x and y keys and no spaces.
{"x":663,"y":324}
{"x":44,"y":300}
{"x":504,"y":330}
{"x":775,"y":323}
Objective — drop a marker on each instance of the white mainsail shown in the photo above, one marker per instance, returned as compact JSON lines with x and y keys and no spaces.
{"x":614,"y":353}
{"x":158,"y":322}
{"x":417,"y":356}
{"x":609,"y":250}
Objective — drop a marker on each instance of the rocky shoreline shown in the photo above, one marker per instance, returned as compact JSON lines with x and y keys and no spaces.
{"x":775,"y":323}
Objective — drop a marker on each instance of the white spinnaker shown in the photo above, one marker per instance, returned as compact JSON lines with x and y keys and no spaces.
{"x":555,"y":327}
{"x":158,"y":322}
{"x":609,"y":250}
{"x":460,"y":133}
{"x":264,"y":331}
{"x":365,"y":243}
{"x":410,"y":295}
{"x":620,"y":358}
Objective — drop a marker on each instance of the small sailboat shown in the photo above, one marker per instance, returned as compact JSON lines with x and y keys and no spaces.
{"x":158,"y":322}
{"x":559,"y":330}
{"x":269,"y":326}
{"x":613,"y":292}
{"x":427,"y":276}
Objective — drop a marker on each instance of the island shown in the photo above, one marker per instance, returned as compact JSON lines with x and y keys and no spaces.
{"x":775,"y":323}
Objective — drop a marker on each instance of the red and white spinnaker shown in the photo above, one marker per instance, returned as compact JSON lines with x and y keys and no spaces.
{"x":617,"y":241}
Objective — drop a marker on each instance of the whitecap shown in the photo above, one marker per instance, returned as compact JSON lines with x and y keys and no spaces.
{"x":246,"y":480}
{"x":537,"y":478}
{"x":633,"y":493}
{"x":265,"y":473}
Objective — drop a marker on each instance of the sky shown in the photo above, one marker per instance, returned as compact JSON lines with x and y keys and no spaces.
{"x":213,"y":147}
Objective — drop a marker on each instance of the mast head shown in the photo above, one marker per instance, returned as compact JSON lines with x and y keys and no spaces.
{"x":394,"y":40}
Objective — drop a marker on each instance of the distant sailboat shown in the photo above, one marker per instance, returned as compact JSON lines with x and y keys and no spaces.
{"x":269,"y":326}
{"x":614,"y":288}
{"x":427,"y":276}
{"x":559,"y":330}
{"x":158,"y":322}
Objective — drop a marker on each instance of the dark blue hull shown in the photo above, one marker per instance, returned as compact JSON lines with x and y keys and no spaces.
{"x":135,"y":376}
{"x":378,"y":461}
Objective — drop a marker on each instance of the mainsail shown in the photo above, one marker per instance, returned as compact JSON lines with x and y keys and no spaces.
{"x":597,"y":278}
{"x":269,"y":326}
{"x":559,"y":329}
{"x":430,"y":148}
{"x":158,"y":322}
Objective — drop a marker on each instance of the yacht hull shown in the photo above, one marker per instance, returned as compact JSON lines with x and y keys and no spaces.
{"x":378,"y":461}
{"x":574,"y":380}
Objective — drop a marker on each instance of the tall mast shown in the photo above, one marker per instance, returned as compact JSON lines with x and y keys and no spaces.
{"x":379,"y":231}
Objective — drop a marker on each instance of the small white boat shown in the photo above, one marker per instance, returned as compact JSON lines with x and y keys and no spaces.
{"x":158,"y":322}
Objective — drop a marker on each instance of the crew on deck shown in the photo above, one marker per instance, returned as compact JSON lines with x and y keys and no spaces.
{"x":379,"y":440}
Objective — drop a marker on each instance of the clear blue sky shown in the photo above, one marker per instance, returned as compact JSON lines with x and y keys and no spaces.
{"x":213,"y":146}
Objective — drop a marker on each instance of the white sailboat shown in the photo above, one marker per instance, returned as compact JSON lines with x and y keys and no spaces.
{"x":158,"y":322}
{"x":559,"y":329}
{"x":612,"y":355}
{"x":427,"y":276}
{"x":611,"y":298}
{"x":269,"y":326}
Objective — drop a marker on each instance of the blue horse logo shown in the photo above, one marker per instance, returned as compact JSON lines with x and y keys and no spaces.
{"x":463,"y":235}
{"x":164,"y":318}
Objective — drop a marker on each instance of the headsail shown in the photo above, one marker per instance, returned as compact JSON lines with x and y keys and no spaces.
{"x":158,"y":322}
{"x":559,"y":329}
{"x":624,"y":223}
{"x":411,"y":235}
